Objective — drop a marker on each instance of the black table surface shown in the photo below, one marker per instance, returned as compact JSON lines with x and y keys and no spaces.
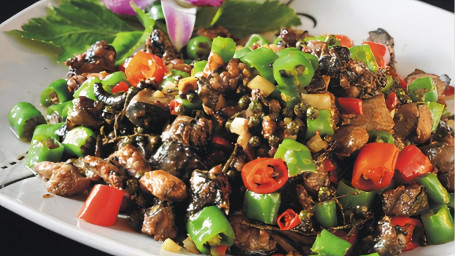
{"x":19,"y":236}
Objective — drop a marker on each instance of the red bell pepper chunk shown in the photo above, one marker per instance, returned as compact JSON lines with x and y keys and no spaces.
{"x":172,"y":106}
{"x":102,"y":205}
{"x":381,"y":53}
{"x":122,"y":86}
{"x":412,"y":163}
{"x":448,"y":91}
{"x":144,"y":65}
{"x":288,"y":220}
{"x":391,"y":101}
{"x":408,"y":225}
{"x":264,"y":175}
{"x":374,"y":166}
{"x":345,"y":41}
{"x":351,"y":105}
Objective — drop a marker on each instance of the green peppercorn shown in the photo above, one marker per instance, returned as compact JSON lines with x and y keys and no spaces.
{"x":253,"y":121}
{"x":288,"y":112}
{"x":199,"y":47}
{"x":244,"y":101}
{"x":300,"y":109}
{"x":312,"y":113}
{"x":255,"y":106}
{"x":254,"y":141}
{"x":402,"y":96}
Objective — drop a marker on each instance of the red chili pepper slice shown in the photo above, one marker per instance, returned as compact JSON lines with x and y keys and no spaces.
{"x":448,"y":91}
{"x":122,"y":86}
{"x":264,"y":175}
{"x":381,"y":53}
{"x":288,"y":220}
{"x":391,"y":101}
{"x":374,"y":166}
{"x":102,"y":205}
{"x":403,"y":83}
{"x":408,"y":225}
{"x":345,"y":41}
{"x":412,"y":163}
{"x":144,"y":65}
{"x":351,"y":105}
{"x":172,"y":106}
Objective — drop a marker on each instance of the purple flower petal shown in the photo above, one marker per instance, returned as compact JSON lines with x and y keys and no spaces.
{"x":179,"y":21}
{"x":123,"y":7}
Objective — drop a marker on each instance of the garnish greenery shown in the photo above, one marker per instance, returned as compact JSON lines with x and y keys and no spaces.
{"x":74,"y":25}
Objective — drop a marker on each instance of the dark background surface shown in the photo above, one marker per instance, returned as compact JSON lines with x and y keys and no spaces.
{"x":19,"y":236}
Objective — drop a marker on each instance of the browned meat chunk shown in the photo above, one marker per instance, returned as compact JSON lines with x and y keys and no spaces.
{"x":375,"y":116}
{"x":196,"y":133}
{"x":305,"y":200}
{"x":65,"y":179}
{"x":159,"y":44}
{"x":159,"y":222}
{"x":441,"y":82}
{"x":442,"y":158}
{"x":85,"y":112}
{"x":99,"y":57}
{"x":214,"y":32}
{"x":313,"y":181}
{"x":249,"y":239}
{"x":413,"y":121}
{"x":209,"y":188}
{"x":387,"y":242}
{"x":349,"y":139}
{"x":405,"y":201}
{"x":131,"y":158}
{"x":107,"y":171}
{"x":163,"y":185}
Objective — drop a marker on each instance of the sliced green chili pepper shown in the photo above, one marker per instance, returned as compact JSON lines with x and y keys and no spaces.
{"x":23,"y":118}
{"x":47,"y":131}
{"x":328,"y":244}
{"x":351,"y":198}
{"x":438,"y":225}
{"x":262,"y":207}
{"x":78,"y":141}
{"x":326,"y":213}
{"x":56,"y":92}
{"x":198,"y":47}
{"x":86,"y":89}
{"x":224,"y":46}
{"x":322,"y":122}
{"x":43,"y":148}
{"x":209,"y":228}
{"x":61,"y":109}
{"x":261,"y":59}
{"x":256,"y":39}
{"x":381,"y":136}
{"x":436,"y":110}
{"x":112,"y":79}
{"x":296,"y":156}
{"x":388,"y":85}
{"x":423,"y":89}
{"x":435,"y":190}
{"x":242,"y":52}
{"x":198,"y":66}
{"x":364,"y":54}
{"x":187,"y":105}
{"x":292,"y":71}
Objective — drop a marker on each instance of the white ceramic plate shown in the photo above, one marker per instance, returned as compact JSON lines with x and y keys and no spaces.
{"x":424,"y":39}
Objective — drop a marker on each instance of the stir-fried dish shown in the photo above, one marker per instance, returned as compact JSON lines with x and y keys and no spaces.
{"x":307,"y":144}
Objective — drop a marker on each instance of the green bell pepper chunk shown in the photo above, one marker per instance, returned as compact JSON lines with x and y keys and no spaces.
{"x":47,"y":131}
{"x":261,"y":59}
{"x":381,"y":136}
{"x":388,"y":84}
{"x":326,"y":213}
{"x":328,"y":244}
{"x":450,"y":204}
{"x":174,"y":76}
{"x":321,"y":123}
{"x":436,"y":110}
{"x":262,"y":207}
{"x":210,"y":227}
{"x":192,"y":103}
{"x":364,"y":54}
{"x":198,"y":66}
{"x":43,"y":148}
{"x":292,"y":70}
{"x":112,"y":79}
{"x":256,"y":39}
{"x":86,"y":89}
{"x":23,"y":118}
{"x":56,"y":92}
{"x":296,"y":156}
{"x":350,"y":197}
{"x":423,"y":89}
{"x":371,"y":254}
{"x":438,"y":225}
{"x":242,"y":52}
{"x":78,"y":140}
{"x":435,"y":190}
{"x":224,"y":46}
{"x":62,"y":109}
